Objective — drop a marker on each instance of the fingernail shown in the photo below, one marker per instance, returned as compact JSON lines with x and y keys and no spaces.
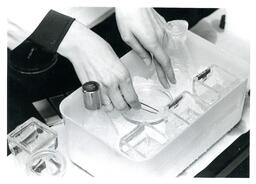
{"x":173,"y":80}
{"x":172,"y":77}
{"x":147,"y":61}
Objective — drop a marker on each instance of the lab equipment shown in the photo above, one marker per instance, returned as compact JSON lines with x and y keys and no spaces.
{"x":46,"y":163}
{"x":143,"y":142}
{"x":151,"y":111}
{"x":148,"y":108}
{"x":174,"y":146}
{"x":149,"y":136}
{"x":212,"y":83}
{"x":174,"y":42}
{"x":188,"y":107}
{"x":30,"y":137}
{"x":34,"y":146}
{"x":91,"y":95}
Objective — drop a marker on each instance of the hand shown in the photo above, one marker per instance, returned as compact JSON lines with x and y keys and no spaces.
{"x":94,"y":59}
{"x":143,"y":30}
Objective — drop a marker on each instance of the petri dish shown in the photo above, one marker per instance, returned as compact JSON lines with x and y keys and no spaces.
{"x":153,"y":101}
{"x":46,"y":163}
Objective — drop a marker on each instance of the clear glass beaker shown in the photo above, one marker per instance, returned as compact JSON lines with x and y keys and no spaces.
{"x":174,"y":42}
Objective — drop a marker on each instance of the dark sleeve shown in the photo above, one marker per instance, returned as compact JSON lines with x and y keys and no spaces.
{"x":38,"y":52}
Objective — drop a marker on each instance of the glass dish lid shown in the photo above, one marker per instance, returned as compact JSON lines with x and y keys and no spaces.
{"x":153,"y":101}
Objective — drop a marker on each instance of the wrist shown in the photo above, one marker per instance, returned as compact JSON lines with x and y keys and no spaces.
{"x":70,"y":43}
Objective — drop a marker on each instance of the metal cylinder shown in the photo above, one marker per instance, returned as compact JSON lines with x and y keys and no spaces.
{"x":91,"y":95}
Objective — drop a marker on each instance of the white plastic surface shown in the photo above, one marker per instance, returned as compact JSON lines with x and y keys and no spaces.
{"x":88,"y":152}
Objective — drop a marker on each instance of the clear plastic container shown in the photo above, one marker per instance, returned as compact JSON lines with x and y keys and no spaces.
{"x":188,"y":107}
{"x":30,"y":137}
{"x":143,"y":142}
{"x":212,"y":83}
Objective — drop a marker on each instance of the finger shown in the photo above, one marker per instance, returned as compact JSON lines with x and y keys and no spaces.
{"x":106,"y":102}
{"x":138,"y":48}
{"x":159,"y":17}
{"x":163,"y":59}
{"x":161,"y":75}
{"x":159,"y":24}
{"x":129,"y":93}
{"x":168,"y":69}
{"x":170,"y":73}
{"x":155,"y":47}
{"x":117,"y":99}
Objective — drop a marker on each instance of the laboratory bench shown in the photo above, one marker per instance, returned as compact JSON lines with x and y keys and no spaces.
{"x":51,"y":87}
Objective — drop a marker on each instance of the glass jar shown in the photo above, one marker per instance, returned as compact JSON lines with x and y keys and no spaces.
{"x":174,"y":42}
{"x":30,"y":137}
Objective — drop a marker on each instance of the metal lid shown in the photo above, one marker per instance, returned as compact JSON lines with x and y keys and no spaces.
{"x":91,"y":95}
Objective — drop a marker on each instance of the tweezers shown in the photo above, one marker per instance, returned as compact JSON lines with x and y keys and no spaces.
{"x":155,"y":111}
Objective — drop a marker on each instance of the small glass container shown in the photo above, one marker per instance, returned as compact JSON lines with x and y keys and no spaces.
{"x":46,"y":163}
{"x":204,"y":92}
{"x":212,"y":83}
{"x":143,"y":142}
{"x":174,"y":125}
{"x":188,"y":107}
{"x":30,"y":137}
{"x":175,"y":44}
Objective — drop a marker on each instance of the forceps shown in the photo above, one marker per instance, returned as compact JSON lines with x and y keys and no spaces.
{"x":152,"y":109}
{"x":144,"y":106}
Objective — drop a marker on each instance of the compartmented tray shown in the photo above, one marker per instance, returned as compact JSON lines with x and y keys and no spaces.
{"x":197,"y":119}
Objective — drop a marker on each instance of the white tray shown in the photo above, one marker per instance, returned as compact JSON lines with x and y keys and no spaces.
{"x":89,"y":152}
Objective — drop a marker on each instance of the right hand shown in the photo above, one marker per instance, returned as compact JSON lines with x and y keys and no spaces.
{"x":94,"y":60}
{"x":143,"y":30}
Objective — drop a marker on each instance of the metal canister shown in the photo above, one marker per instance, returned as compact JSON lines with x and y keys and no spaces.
{"x":91,"y":95}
